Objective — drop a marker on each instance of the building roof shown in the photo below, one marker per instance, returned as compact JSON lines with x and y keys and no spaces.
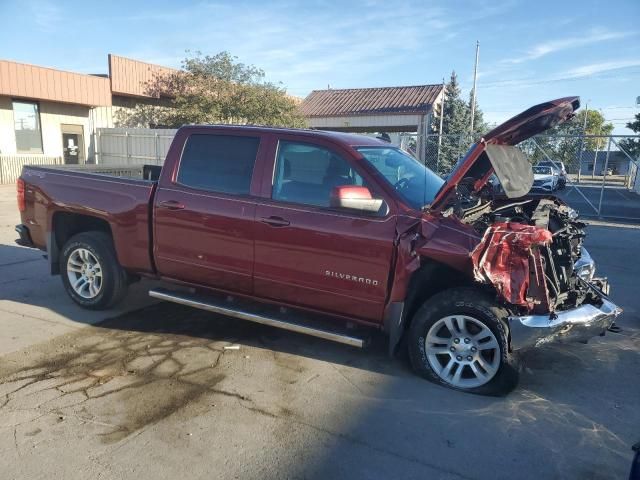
{"x":42,"y":83}
{"x":126,"y":77}
{"x":130,"y":77}
{"x":370,"y":101}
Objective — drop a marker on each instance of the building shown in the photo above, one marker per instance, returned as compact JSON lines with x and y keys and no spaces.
{"x":593,"y":163}
{"x":387,"y":109}
{"x":52,"y":113}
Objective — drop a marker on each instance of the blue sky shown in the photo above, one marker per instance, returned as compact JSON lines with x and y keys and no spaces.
{"x":531,"y":51}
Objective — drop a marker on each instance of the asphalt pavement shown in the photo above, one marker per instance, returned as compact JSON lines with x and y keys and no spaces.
{"x":160,"y":391}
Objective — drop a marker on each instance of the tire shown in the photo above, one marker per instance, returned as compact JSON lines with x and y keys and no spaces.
{"x":477,"y":346}
{"x":91,"y":255}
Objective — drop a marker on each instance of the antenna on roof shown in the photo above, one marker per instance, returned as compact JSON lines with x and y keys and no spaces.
{"x":328,"y":87}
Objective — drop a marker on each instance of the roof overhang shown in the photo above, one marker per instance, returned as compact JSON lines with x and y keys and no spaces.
{"x":41,"y":83}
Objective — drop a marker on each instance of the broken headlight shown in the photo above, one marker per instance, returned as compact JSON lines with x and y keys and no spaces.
{"x":585,"y":267}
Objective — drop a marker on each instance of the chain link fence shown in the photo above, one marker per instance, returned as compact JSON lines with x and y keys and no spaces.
{"x":602,"y":173}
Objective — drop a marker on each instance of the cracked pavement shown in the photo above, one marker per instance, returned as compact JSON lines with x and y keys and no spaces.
{"x":153,"y":393}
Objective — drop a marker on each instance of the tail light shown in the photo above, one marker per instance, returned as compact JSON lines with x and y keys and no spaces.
{"x":22,"y":204}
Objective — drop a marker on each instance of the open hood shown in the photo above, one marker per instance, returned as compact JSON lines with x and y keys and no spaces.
{"x":494,"y":153}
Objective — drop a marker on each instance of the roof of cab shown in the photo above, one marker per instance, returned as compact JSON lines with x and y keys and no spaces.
{"x":350,"y":139}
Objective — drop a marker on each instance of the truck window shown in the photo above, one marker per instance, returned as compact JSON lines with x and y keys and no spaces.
{"x":218,"y":163}
{"x":307,"y":173}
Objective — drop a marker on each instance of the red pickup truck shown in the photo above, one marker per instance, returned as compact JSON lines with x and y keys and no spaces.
{"x":325,"y":233}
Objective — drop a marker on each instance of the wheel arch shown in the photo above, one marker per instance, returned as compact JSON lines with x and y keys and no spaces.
{"x":431,"y":278}
{"x":65,"y":225}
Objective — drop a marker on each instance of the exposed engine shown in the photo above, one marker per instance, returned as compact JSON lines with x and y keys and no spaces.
{"x":567,"y":284}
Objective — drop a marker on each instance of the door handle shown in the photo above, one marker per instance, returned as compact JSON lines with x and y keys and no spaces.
{"x":275,"y":221}
{"x":171,"y":205}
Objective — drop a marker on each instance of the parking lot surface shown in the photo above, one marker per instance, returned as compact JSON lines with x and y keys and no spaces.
{"x":152,"y":390}
{"x":617,"y":201}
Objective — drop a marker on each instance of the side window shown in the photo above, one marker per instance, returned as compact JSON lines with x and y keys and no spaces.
{"x":218,"y":163}
{"x":307,"y":174}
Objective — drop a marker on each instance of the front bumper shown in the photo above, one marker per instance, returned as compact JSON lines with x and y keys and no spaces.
{"x":575,"y":325}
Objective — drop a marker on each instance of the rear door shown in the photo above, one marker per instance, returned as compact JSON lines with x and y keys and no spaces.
{"x":204,"y":211}
{"x":311,"y":255}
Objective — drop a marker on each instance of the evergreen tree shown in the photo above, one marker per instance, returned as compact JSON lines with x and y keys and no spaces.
{"x":631,"y":145}
{"x":456,"y":124}
{"x":480,"y":127}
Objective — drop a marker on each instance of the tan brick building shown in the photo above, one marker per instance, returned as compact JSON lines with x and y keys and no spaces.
{"x":52,"y":113}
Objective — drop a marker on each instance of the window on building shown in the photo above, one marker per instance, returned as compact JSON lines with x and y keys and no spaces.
{"x":307,"y":174}
{"x":218,"y":163}
{"x":26,"y":118}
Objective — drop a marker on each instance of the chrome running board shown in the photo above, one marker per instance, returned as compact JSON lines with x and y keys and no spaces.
{"x":224,"y":307}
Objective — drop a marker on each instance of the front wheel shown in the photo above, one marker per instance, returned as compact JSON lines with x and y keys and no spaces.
{"x":458,"y":338}
{"x":90,"y":271}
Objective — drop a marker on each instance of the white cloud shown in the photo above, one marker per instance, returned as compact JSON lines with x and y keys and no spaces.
{"x":546,"y":48}
{"x":595,"y":68}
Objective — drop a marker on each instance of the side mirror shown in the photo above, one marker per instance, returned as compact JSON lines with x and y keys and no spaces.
{"x":353,"y":197}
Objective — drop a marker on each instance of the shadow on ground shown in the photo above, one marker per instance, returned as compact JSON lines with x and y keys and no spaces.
{"x":369,"y":416}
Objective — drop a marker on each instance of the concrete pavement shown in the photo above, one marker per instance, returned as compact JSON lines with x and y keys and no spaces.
{"x":154,"y":393}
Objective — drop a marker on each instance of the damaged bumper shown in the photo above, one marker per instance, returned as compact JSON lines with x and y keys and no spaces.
{"x":575,"y":325}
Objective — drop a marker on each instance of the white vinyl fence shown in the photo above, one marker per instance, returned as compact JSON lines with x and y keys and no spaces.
{"x":11,"y":165}
{"x":133,"y":146}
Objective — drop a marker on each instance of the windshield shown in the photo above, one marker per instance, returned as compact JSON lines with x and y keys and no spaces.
{"x":415,"y":183}
{"x":542,"y":170}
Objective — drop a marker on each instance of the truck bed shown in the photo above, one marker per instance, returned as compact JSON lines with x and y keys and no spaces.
{"x":140,"y":172}
{"x":120,"y":197}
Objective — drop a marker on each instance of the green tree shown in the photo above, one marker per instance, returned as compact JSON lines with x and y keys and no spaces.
{"x":456,"y":129}
{"x":479,"y":125}
{"x":632,"y":145}
{"x":213,"y":89}
{"x":565,"y":142}
{"x":454,"y":138}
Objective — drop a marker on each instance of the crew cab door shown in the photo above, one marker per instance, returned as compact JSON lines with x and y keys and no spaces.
{"x":310,"y":255}
{"x":204,"y":210}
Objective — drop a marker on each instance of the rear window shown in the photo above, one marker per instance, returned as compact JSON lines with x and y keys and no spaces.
{"x":218,"y":163}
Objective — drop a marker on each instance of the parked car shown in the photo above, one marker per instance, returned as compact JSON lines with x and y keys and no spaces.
{"x":544,"y":179}
{"x":311,"y":231}
{"x":559,"y":169}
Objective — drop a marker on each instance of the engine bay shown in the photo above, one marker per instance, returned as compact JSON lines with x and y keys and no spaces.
{"x":564,"y":283}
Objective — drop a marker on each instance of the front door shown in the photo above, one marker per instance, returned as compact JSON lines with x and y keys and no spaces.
{"x":313,"y":256}
{"x":72,"y":144}
{"x":203,"y":220}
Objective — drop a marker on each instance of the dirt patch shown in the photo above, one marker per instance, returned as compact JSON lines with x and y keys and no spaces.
{"x":126,"y":374}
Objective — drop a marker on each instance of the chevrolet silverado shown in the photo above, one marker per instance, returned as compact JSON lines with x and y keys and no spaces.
{"x":329,"y":234}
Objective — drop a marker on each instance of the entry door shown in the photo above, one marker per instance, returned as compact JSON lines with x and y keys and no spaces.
{"x":309,"y":255}
{"x":203,"y":221}
{"x":72,"y":144}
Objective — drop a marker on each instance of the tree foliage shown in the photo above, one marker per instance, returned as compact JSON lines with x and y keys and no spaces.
{"x":213,"y":89}
{"x":565,"y":142}
{"x":632,"y":145}
{"x":456,"y":128}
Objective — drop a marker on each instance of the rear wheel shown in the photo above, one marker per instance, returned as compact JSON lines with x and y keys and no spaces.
{"x":90,"y":271}
{"x":458,"y":338}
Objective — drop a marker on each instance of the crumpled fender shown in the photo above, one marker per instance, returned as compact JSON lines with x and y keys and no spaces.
{"x":502,"y":259}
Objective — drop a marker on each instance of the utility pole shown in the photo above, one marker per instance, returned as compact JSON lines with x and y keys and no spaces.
{"x":473,"y":92}
{"x":444,"y":96}
{"x":584,"y":132}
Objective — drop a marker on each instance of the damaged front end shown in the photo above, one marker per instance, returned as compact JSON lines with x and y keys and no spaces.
{"x":531,"y":252}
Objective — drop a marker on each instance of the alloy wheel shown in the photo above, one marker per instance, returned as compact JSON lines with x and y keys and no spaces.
{"x":462,"y":351}
{"x":84,"y":273}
